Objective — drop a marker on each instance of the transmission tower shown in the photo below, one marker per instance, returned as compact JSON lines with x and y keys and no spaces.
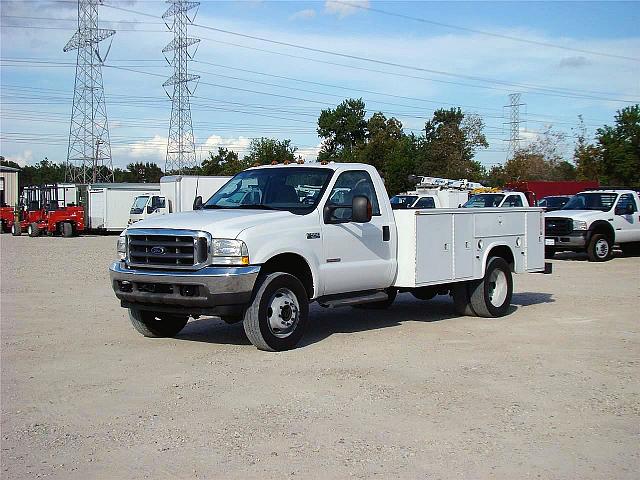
{"x":89,"y":152}
{"x":181,"y":154}
{"x":514,"y":124}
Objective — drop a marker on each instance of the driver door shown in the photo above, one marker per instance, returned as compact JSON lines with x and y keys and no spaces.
{"x":356,"y":256}
{"x":626,"y":225}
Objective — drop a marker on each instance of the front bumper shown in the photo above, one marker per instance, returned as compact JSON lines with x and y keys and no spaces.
{"x":203,"y":291}
{"x":574,"y":240}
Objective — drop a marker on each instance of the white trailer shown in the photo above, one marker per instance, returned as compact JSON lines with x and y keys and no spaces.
{"x":177,"y":194}
{"x":109,"y":204}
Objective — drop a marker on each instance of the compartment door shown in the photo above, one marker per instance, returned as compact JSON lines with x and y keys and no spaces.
{"x":463,"y":245}
{"x":434,"y":247}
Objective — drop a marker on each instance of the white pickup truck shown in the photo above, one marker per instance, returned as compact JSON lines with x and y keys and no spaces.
{"x":323,"y":233}
{"x":497,"y":199}
{"x":593,"y":221}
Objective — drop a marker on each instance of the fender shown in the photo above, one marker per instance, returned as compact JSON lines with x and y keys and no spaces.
{"x":517,"y":262}
{"x":262,"y":258}
{"x":601,"y":226}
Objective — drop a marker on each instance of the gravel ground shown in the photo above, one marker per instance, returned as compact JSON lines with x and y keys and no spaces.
{"x":550,"y":391}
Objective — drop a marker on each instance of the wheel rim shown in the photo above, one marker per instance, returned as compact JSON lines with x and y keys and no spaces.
{"x":283,"y":313}
{"x":498,"y":287}
{"x":602,"y":248}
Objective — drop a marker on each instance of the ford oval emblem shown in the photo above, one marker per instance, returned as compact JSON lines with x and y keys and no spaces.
{"x":158,"y":250}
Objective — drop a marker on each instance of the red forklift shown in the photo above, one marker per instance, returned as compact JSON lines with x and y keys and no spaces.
{"x":43,"y":211}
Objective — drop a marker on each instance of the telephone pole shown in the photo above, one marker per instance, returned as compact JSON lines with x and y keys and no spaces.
{"x":181,"y":154}
{"x":89,"y":151}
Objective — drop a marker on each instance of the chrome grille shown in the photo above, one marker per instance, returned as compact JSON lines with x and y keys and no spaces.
{"x":170,"y":249}
{"x":556,"y":226}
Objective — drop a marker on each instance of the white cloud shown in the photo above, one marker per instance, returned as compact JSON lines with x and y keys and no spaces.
{"x":303,"y":14}
{"x":310,"y":154}
{"x":344,"y":9}
{"x":237,"y":144}
{"x":22,"y":159}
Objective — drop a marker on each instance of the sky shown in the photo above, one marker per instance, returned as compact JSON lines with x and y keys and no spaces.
{"x":269,"y":68}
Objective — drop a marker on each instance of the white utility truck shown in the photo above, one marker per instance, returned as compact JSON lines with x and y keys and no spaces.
{"x":177,"y":194}
{"x":108,"y":204}
{"x":434,"y":192}
{"x":497,"y":199}
{"x":593,"y":221}
{"x":323,"y":233}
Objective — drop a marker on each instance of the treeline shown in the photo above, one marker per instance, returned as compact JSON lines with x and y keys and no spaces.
{"x":445,"y":147}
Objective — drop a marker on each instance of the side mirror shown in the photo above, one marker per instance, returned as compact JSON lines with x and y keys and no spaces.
{"x":361,"y":209}
{"x":197,"y":203}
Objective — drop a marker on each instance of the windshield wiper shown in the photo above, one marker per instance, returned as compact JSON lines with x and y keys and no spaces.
{"x":211,"y":207}
{"x":257,"y":206}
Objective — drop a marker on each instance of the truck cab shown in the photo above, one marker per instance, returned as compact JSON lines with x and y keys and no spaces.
{"x":594,"y":221}
{"x":147,"y":205}
{"x":322,"y":233}
{"x":497,"y":199}
{"x":414,"y":200}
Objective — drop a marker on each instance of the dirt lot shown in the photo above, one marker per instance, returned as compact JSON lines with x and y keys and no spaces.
{"x":550,"y":391}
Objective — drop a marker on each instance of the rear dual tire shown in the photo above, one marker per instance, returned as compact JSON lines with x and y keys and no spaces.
{"x":489,"y":297}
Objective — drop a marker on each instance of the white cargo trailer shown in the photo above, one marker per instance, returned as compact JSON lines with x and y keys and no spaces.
{"x":177,"y":194}
{"x":109,"y":204}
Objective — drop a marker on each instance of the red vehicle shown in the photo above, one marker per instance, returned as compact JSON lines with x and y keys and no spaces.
{"x":537,"y":189}
{"x":41,"y":211}
{"x":6,"y":218}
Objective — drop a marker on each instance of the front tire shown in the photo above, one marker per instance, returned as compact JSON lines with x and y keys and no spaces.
{"x":33,"y":230}
{"x":600,"y":248}
{"x":16,"y":230}
{"x":67,"y":229}
{"x":157,"y":325}
{"x":491,"y":296}
{"x":278,"y":312}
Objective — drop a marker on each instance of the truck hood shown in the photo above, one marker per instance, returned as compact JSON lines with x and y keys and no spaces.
{"x":577,"y":214}
{"x":219,"y":223}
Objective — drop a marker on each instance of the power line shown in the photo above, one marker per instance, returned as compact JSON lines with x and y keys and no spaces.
{"x":486,"y":33}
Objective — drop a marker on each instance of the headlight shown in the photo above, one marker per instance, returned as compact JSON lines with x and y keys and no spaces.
{"x":579,"y":225}
{"x":229,"y":252}
{"x":122,"y":247}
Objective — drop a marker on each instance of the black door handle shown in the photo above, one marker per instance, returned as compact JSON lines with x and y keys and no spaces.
{"x":386,"y":233}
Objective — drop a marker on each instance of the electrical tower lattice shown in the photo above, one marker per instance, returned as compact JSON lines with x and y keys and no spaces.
{"x":89,"y":153}
{"x":514,"y":124}
{"x":181,"y":154}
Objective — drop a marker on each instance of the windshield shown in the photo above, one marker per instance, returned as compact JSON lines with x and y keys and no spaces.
{"x":484,"y":200}
{"x":402,"y":201}
{"x":138,"y":204}
{"x":553,"y":202}
{"x":296,"y":189}
{"x":591,"y":201}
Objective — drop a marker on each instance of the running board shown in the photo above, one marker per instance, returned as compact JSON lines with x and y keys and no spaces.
{"x":333,"y":302}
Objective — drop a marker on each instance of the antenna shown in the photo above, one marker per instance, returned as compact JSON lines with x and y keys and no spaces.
{"x":89,"y":152}
{"x":181,"y":155}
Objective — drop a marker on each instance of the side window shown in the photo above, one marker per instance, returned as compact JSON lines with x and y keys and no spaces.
{"x":426,"y":202}
{"x":157,"y":202}
{"x":347,"y":186}
{"x":625,"y":200}
{"x":513,"y":201}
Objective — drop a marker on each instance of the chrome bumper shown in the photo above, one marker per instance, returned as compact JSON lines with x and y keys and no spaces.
{"x":207,"y":288}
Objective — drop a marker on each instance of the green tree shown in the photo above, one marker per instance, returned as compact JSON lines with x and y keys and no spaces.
{"x":450,"y":141}
{"x":619,"y":148}
{"x":586,"y":155}
{"x":139,"y":173}
{"x":265,"y":151}
{"x":225,"y":163}
{"x":343,"y":129}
